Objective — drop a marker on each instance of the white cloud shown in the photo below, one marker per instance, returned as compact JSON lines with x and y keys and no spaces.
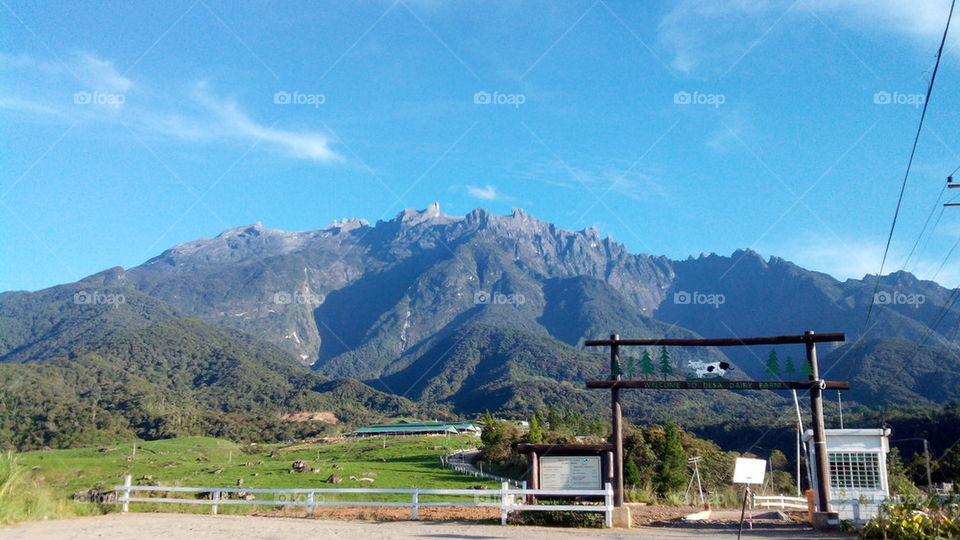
{"x":231,"y":122}
{"x":921,"y":21}
{"x":100,"y":74}
{"x":196,"y":115}
{"x":485,"y":193}
{"x":713,"y":36}
{"x":856,"y":258}
{"x":626,"y":181}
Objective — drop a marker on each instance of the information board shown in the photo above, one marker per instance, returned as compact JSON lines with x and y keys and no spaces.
{"x":570,"y":472}
{"x":749,"y":471}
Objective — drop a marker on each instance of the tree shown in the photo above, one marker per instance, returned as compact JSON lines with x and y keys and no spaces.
{"x":897,"y":479}
{"x":666,"y":367}
{"x":778,"y":460}
{"x":535,"y":435}
{"x":488,"y":420}
{"x":773,"y":363}
{"x":948,"y":466}
{"x":672,"y":467}
{"x":631,"y":367}
{"x":554,"y":419}
{"x":497,"y":438}
{"x":646,"y":364}
{"x":631,"y":474}
{"x":790,"y":369}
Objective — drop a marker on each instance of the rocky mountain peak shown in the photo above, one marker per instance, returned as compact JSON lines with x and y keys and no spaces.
{"x":255,"y":229}
{"x":347,"y":224}
{"x":412,"y":216}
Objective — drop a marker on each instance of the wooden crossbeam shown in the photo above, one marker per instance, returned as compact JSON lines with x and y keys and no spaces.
{"x":720,"y":342}
{"x":719,"y":384}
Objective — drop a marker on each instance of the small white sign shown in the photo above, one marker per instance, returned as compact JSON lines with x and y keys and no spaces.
{"x":749,"y":471}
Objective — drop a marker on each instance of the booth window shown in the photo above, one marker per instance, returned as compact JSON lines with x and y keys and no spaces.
{"x":854,"y":470}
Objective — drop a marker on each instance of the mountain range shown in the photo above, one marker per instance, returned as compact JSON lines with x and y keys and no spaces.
{"x":457,"y":315}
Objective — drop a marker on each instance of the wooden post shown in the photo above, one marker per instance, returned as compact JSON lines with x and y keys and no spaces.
{"x":617,"y":424}
{"x":819,"y":431}
{"x":534,"y":476}
{"x":505,"y":500}
{"x":743,"y":511}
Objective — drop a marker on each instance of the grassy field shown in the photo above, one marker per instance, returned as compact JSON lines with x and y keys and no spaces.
{"x":408,"y":462}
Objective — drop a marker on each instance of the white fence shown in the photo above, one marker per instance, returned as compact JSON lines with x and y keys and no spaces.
{"x":455,"y":461}
{"x":780,"y":501}
{"x":506,"y":499}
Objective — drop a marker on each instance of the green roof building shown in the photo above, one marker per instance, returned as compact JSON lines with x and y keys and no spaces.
{"x":418,"y":428}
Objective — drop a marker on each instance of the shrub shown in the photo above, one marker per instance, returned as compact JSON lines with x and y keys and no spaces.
{"x":24,"y":497}
{"x":915,"y":521}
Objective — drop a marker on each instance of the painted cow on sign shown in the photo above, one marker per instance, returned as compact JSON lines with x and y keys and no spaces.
{"x":713,"y":369}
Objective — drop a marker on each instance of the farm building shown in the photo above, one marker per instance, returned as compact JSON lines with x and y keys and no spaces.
{"x":858,"y":470}
{"x":417,"y":428}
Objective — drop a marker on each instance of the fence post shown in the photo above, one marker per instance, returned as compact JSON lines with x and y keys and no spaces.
{"x":504,"y":488}
{"x":215,"y":506}
{"x":856,"y":510}
{"x":309,"y":504}
{"x":416,"y":504}
{"x":608,"y":501}
{"x":127,"y":482}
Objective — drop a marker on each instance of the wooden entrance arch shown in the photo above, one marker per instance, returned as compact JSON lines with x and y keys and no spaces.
{"x":815,"y":384}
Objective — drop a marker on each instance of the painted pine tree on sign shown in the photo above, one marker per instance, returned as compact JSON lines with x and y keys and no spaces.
{"x":773,"y":363}
{"x":666,"y":368}
{"x":646,"y":365}
{"x":807,"y":369}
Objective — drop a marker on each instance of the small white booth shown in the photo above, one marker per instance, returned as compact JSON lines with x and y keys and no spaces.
{"x":858,"y":470}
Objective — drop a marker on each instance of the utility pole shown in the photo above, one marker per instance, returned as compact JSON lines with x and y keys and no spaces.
{"x":819,"y":431}
{"x":796,"y":404}
{"x":617,"y":422}
{"x":840,"y":403}
{"x":696,"y":475}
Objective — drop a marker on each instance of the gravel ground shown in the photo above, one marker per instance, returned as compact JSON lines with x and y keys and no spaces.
{"x":204,"y":527}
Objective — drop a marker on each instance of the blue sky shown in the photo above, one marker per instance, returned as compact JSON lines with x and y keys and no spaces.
{"x":676,"y":128}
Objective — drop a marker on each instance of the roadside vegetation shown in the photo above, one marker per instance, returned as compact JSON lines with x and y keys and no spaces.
{"x":25,"y":496}
{"x":922,"y":520}
{"x":656,"y":470}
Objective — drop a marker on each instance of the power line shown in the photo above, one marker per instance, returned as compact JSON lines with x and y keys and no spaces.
{"x":930,"y":331}
{"x":925,"y":223}
{"x":906,"y":175}
{"x":926,"y":243}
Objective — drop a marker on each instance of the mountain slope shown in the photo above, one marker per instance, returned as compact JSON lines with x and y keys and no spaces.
{"x":174,"y":377}
{"x":424,"y":299}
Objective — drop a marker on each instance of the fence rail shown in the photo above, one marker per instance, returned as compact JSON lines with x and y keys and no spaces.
{"x":507,"y":499}
{"x":455,"y":461}
{"x":780,"y":501}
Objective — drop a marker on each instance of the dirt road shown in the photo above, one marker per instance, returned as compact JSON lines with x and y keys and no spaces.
{"x":206,"y":527}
